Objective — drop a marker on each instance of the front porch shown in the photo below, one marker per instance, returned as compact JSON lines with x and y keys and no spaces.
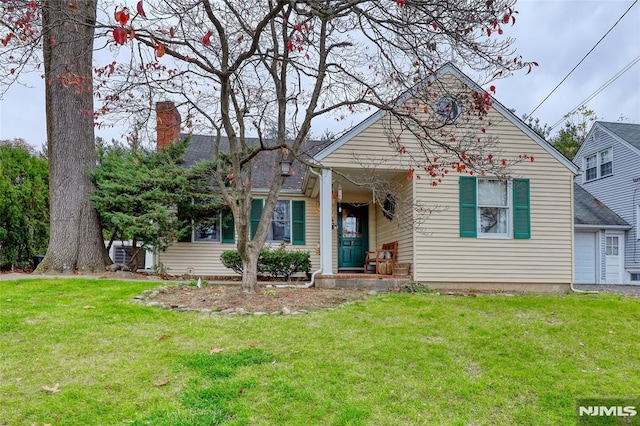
{"x":356,"y":219}
{"x":364,"y":281}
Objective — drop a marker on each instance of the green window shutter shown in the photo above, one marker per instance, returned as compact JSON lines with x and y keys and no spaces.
{"x":468,"y":203}
{"x":256,"y":212}
{"x":228,"y":228}
{"x":297,"y":222}
{"x":521,"y":209}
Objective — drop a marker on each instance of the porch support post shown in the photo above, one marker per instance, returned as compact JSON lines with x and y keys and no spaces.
{"x":326,"y":231}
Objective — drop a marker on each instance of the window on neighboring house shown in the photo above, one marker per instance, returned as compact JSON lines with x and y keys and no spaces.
{"x":592,"y":167}
{"x":634,"y":276}
{"x":494,"y":208}
{"x":287,"y":223}
{"x":612,"y":246}
{"x":599,"y":165}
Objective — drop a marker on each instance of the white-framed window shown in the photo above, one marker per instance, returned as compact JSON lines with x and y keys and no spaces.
{"x":280,"y":227}
{"x":598,"y":165}
{"x":207,"y":230}
{"x":612,"y":246}
{"x":494,"y":208}
{"x":634,"y":277}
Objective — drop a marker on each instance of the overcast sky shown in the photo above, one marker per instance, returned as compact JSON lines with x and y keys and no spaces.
{"x":557,"y":34}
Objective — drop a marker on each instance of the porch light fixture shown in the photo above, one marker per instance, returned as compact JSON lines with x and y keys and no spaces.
{"x":285,"y":167}
{"x":339,"y":192}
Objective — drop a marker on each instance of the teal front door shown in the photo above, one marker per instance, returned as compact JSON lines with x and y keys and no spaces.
{"x":353,"y":235}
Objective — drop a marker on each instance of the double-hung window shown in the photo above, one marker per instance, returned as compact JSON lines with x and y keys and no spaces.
{"x":598,"y":165}
{"x":280,"y":228}
{"x":494,"y":208}
{"x":287,"y":223}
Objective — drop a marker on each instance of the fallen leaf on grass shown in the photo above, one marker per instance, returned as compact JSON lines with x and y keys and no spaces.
{"x":163,"y":337}
{"x":215,"y":350}
{"x":54,"y":389}
{"x":108,"y":387}
{"x":89,"y":307}
{"x":163,"y":383}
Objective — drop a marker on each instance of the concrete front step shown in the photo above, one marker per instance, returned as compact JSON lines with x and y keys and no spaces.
{"x":365,"y":281}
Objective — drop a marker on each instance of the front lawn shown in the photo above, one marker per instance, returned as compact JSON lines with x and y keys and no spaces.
{"x":392,"y":359}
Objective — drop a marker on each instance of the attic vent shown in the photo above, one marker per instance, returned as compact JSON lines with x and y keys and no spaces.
{"x":596,"y":133}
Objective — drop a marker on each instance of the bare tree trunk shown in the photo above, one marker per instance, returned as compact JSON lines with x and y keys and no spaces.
{"x":76,"y":240}
{"x":250,"y":269}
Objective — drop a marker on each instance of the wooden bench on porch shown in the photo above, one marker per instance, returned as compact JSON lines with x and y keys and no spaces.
{"x":380,"y":261}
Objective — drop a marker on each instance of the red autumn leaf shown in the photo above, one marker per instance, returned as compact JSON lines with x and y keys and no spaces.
{"x":160,"y":50}
{"x":122,"y":16}
{"x":120,"y":35}
{"x":172,"y":32}
{"x":410,"y":175}
{"x":206,"y":40}
{"x":290,"y":45}
{"x":140,"y":9}
{"x":500,"y":31}
{"x":483,"y":130}
{"x":488,"y":32}
{"x":163,"y":337}
{"x":32,"y":5}
{"x":492,"y":89}
{"x":505,"y":20}
{"x":401,"y":3}
{"x":532,"y":159}
{"x":132,"y":33}
{"x":504,"y":162}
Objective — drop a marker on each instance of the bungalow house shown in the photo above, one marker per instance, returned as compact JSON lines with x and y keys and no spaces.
{"x":609,"y":160}
{"x":485,"y":233}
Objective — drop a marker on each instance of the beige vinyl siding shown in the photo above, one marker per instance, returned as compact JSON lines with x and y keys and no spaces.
{"x":443,"y":256}
{"x":401,"y":227}
{"x":203,"y":258}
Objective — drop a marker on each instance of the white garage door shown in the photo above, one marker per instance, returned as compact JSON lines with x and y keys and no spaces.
{"x":585,"y":257}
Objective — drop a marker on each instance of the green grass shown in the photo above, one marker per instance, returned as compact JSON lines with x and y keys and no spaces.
{"x":392,"y":359}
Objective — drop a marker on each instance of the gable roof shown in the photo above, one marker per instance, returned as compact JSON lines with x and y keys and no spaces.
{"x":201,"y":147}
{"x":588,"y":211}
{"x":625,"y":131}
{"x":452,"y":69}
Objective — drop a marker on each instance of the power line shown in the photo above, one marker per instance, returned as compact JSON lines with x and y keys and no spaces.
{"x":582,"y":60}
{"x":600,"y":89}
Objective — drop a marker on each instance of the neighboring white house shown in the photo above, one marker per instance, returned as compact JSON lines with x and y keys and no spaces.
{"x":609,"y":160}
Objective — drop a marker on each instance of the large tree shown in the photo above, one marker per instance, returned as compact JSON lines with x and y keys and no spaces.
{"x":65,"y":30}
{"x":76,"y":235}
{"x":239,"y":69}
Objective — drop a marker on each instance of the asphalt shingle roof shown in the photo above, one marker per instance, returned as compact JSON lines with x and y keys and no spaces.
{"x":628,"y":132}
{"x":588,"y":210}
{"x":201,"y":148}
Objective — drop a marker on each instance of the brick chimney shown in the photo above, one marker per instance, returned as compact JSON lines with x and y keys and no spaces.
{"x":167,"y":124}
